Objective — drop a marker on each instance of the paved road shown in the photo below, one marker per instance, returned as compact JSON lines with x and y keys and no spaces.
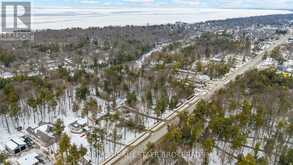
{"x":132,"y":153}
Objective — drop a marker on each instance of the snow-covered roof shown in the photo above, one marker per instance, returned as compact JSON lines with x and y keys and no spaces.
{"x":268,"y":62}
{"x":45,"y":129}
{"x":6,"y":75}
{"x":203,"y":77}
{"x":81,"y":121}
{"x":68,"y":60}
{"x":216,"y":59}
{"x":29,"y":159}
{"x":19,"y":141}
{"x":11,"y":145}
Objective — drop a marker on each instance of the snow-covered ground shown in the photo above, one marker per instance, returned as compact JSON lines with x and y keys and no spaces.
{"x":64,"y":112}
{"x":142,"y":59}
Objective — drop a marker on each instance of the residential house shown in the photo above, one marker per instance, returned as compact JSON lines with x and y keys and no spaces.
{"x":78,"y":126}
{"x":43,"y":134}
{"x":15,"y":145}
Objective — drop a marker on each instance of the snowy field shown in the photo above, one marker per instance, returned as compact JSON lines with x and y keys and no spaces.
{"x":66,"y":17}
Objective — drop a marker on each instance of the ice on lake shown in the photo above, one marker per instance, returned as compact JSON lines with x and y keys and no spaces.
{"x":66,"y":17}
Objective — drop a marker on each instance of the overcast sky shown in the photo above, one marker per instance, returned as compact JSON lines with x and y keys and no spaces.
{"x":266,"y":4}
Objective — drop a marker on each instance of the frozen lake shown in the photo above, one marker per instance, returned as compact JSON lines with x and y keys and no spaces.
{"x":64,"y":17}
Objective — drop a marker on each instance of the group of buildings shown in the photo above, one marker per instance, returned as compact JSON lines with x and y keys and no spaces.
{"x":286,"y":66}
{"x":37,"y":145}
{"x":31,"y":147}
{"x":43,"y":66}
{"x":22,"y":151}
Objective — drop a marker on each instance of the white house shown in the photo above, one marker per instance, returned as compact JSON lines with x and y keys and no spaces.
{"x":15,"y":145}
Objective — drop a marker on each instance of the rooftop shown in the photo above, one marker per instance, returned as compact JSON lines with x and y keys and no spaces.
{"x":81,"y":121}
{"x":19,"y":141}
{"x":11,"y":145}
{"x":6,"y":75}
{"x":45,"y":129}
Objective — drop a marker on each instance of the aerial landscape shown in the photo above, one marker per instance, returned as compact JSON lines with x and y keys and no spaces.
{"x":146,"y":82}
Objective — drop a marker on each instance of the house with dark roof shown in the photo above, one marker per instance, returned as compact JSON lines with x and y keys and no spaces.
{"x":43,"y":134}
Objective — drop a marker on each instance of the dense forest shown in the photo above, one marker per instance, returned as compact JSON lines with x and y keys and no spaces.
{"x":248,"y":122}
{"x":114,"y":44}
{"x":153,"y":86}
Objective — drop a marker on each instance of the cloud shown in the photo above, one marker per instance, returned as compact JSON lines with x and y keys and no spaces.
{"x":89,"y":2}
{"x":268,"y":4}
{"x":188,"y":2}
{"x":142,"y":1}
